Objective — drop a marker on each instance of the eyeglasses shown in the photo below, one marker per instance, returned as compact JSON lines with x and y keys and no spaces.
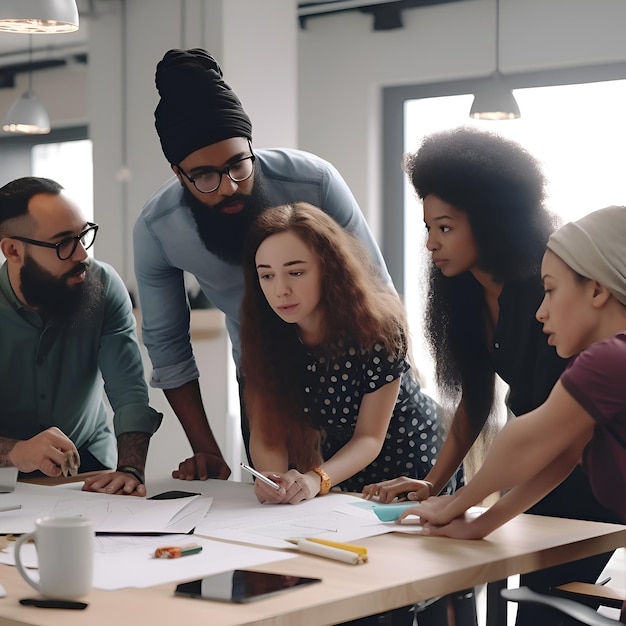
{"x":66,"y":247}
{"x":209,"y":180}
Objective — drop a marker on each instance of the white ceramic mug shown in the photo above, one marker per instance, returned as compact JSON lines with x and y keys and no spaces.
{"x":65,"y":547}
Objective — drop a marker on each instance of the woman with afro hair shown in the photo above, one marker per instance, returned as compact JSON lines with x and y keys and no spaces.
{"x":484,"y":210}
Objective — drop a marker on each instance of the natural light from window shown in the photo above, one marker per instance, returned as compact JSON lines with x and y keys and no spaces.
{"x":578,"y":132}
{"x":70,"y":164}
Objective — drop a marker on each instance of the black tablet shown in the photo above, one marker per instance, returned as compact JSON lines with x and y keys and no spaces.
{"x":241,"y":585}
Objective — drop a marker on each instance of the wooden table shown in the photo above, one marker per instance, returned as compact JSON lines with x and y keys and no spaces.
{"x":402,"y":569}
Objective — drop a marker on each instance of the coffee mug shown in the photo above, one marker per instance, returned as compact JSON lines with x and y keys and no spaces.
{"x":65,"y":547}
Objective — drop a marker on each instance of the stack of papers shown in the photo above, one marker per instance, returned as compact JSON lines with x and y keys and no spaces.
{"x":126,"y":527}
{"x":109,"y":514}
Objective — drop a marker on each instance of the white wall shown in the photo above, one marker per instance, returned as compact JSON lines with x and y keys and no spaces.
{"x":343,"y":63}
{"x":129,"y":164}
{"x":337,"y":64}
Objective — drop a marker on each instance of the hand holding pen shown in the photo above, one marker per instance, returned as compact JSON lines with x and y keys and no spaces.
{"x":276,"y":488}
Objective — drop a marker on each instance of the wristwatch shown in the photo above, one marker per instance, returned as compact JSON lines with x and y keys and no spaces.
{"x":326,"y":483}
{"x":129,"y":469}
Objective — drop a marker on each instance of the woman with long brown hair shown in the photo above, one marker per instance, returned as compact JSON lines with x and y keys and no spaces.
{"x":330,"y":394}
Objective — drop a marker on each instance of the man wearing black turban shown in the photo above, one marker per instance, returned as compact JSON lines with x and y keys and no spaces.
{"x":196,"y":222}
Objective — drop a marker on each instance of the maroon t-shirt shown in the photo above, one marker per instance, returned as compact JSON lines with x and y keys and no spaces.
{"x":596,"y":378}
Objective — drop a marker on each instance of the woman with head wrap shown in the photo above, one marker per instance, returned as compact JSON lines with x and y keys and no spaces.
{"x":583,"y":313}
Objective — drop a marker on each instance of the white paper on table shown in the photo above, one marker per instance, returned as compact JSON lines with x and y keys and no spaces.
{"x":330,"y":517}
{"x":117,"y":569}
{"x":128,"y":560}
{"x":109,"y":513}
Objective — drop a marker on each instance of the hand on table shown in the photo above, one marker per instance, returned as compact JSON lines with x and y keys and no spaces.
{"x":115,"y":483}
{"x":201,"y":466}
{"x":294,"y":487}
{"x":432,"y":510}
{"x":464,"y":527}
{"x":47,"y":452}
{"x":401,"y":487}
{"x":437,"y":522}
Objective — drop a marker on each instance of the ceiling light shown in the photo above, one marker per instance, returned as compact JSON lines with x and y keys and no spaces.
{"x":38,"y":16}
{"x":27,"y":114}
{"x":494,"y":100}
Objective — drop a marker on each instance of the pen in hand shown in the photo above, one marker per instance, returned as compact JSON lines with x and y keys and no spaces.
{"x":260,"y":476}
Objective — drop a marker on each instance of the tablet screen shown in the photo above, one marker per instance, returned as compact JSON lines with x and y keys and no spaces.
{"x":241,"y":585}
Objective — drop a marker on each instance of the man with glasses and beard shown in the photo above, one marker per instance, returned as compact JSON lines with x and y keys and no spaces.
{"x":196,"y":222}
{"x":66,"y":327}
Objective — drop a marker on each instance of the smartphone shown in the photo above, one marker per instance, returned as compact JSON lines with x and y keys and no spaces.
{"x":241,"y":586}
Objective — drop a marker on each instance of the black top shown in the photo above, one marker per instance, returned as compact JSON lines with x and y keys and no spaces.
{"x":524,"y":360}
{"x":520,"y":351}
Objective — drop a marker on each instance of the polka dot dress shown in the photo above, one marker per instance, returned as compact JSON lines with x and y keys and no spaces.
{"x":334,"y":390}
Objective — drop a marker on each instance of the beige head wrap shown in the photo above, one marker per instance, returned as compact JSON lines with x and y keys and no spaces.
{"x":595,"y":247}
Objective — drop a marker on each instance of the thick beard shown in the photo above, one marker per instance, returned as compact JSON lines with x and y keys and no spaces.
{"x":53,"y":298}
{"x":223,"y":234}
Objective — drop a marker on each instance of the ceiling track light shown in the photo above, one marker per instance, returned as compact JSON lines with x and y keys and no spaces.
{"x":38,"y":16}
{"x":494,"y":99}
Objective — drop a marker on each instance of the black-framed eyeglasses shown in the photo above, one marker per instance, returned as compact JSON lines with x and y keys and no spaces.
{"x":66,"y":247}
{"x":209,"y":180}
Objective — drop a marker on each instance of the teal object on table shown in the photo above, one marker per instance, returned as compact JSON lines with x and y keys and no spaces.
{"x":391,"y":512}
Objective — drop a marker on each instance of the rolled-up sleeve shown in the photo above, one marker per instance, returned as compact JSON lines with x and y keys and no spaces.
{"x":165,"y":312}
{"x":136,"y":418}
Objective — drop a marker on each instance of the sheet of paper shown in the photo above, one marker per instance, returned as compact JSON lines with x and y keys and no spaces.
{"x":128,"y":561}
{"x":329,"y":517}
{"x":111,"y":514}
{"x":237,"y":515}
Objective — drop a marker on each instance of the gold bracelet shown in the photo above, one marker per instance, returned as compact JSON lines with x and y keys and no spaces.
{"x":326,"y":483}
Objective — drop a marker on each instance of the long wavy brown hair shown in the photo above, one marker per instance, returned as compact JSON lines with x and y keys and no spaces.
{"x":359,"y":310}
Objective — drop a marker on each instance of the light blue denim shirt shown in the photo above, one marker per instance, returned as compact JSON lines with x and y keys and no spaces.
{"x":53,"y":374}
{"x":166,"y":243}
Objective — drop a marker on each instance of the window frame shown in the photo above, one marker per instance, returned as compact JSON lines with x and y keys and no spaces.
{"x":393,"y":178}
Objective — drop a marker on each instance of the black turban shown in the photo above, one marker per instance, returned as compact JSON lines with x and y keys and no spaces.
{"x":197,"y":108}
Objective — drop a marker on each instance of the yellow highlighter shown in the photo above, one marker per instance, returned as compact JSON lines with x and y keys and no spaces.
{"x":360,"y":550}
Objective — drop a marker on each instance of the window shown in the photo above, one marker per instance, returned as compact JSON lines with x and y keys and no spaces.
{"x":576,"y":130}
{"x":70,"y":164}
{"x":65,"y":155}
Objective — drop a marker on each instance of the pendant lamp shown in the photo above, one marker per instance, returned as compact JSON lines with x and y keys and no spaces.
{"x":494,"y":100}
{"x":38,"y":16}
{"x":27,"y":114}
